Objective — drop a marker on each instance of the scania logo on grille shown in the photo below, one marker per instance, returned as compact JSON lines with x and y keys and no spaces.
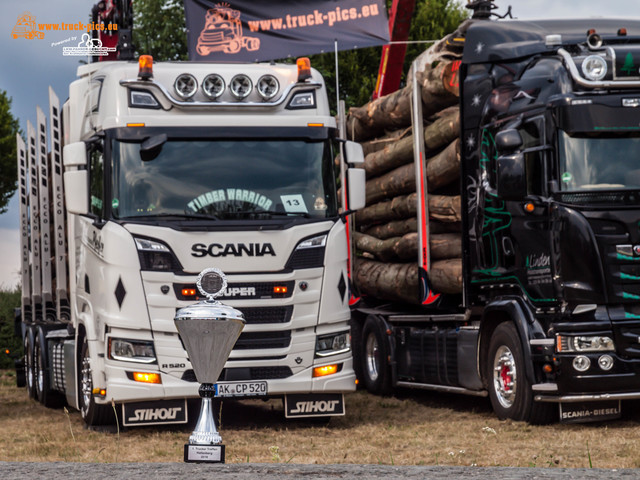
{"x":235,"y":249}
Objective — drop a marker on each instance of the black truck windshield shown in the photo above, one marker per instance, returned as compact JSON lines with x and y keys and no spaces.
{"x":595,"y":161}
{"x":224,"y":179}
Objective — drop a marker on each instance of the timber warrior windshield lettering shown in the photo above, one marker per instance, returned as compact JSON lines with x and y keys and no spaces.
{"x":236,"y":249}
{"x":229,"y":196}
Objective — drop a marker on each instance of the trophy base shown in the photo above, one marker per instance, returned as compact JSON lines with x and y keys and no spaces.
{"x":204,"y":453}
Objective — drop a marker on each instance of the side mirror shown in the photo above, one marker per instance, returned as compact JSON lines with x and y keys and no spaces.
{"x":511,"y":181}
{"x":508,"y":140}
{"x":76,"y":182}
{"x":353,"y":153}
{"x":76,"y":191}
{"x":356,"y":184}
{"x":75,"y":155}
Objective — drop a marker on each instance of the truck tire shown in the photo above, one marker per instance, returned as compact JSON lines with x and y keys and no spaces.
{"x":509,"y":388}
{"x":44,"y":393}
{"x":376,"y":373}
{"x":29,"y":373}
{"x":92,"y":413}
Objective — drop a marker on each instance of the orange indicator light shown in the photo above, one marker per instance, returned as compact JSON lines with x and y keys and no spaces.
{"x":304,"y":69}
{"x":529,"y":207}
{"x":325,"y":370}
{"x":188,"y":292}
{"x":145,"y":377}
{"x":135,"y":124}
{"x":280,"y":289}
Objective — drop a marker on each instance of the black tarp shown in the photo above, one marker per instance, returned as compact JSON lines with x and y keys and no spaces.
{"x":248,"y":31}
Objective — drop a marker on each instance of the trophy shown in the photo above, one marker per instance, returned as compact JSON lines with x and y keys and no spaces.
{"x":209,"y":331}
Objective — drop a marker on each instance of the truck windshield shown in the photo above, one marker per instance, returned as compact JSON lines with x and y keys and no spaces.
{"x":594,"y":161}
{"x":224,"y":179}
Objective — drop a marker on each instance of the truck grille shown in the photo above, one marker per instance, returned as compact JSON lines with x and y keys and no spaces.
{"x":242,"y":374}
{"x":260,"y":315}
{"x":262,"y":340}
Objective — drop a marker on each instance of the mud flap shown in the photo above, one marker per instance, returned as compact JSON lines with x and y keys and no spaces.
{"x":590,"y":411}
{"x":157,"y":412}
{"x":313,"y":405}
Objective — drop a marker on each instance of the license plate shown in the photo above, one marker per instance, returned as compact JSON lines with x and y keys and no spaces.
{"x":590,"y":411}
{"x":241,"y":389}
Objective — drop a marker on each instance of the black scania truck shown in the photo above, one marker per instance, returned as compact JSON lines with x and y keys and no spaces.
{"x":548,"y":320}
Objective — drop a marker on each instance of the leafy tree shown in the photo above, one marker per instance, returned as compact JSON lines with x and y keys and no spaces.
{"x":9,"y":126}
{"x":159,"y":29}
{"x":9,"y":300}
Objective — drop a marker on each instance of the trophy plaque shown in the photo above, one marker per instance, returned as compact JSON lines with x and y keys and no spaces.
{"x":209,"y":331}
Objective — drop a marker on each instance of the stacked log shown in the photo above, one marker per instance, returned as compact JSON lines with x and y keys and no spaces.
{"x":386,"y":238}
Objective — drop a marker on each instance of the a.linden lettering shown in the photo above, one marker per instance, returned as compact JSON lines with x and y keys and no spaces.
{"x":236,"y":249}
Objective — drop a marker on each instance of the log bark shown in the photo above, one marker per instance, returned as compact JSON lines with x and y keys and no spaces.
{"x":396,"y":248}
{"x":399,"y":281}
{"x":442,"y":208}
{"x":394,"y":209}
{"x":442,"y":169}
{"x":390,"y":281}
{"x":439,"y":89}
{"x":371,"y":146}
{"x":396,"y":182}
{"x":445,"y":276}
{"x":444,"y":245}
{"x":444,"y":129}
{"x":398,"y":228}
{"x":398,"y":151}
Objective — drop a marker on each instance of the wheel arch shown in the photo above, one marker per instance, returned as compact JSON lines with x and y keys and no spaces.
{"x":507,"y":310}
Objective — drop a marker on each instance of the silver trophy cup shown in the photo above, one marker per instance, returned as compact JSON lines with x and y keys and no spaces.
{"x":209,"y":331}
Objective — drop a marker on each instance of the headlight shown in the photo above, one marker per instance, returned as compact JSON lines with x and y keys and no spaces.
{"x":139,"y":351}
{"x":594,"y":67}
{"x":585,"y":343}
{"x":302,"y":100}
{"x":156,"y":256}
{"x":186,"y":86}
{"x":213,"y":86}
{"x":309,"y":253}
{"x":333,"y":344}
{"x":240,"y":86}
{"x":268,"y":87}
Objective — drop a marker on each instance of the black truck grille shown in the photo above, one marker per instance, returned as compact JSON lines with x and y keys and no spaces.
{"x":260,"y":315}
{"x":260,"y":340}
{"x":245,"y":374}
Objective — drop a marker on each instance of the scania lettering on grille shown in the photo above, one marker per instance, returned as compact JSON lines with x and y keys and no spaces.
{"x":235,"y":249}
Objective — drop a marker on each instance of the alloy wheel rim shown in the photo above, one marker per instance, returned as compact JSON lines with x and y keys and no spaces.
{"x":505,"y":376}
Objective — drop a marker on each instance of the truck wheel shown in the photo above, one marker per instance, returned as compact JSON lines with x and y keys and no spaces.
{"x":375,"y":351}
{"x":92,"y":413}
{"x":45,"y":395}
{"x":29,"y":372}
{"x":509,"y":388}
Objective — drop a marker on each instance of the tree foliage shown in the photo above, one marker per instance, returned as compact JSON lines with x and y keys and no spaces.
{"x":9,"y":126}
{"x":159,"y":29}
{"x":9,"y":301}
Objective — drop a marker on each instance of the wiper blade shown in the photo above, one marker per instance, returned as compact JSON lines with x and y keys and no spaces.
{"x":188,"y":216}
{"x":272,"y":212}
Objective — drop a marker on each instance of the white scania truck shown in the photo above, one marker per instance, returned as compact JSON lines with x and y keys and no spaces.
{"x":170,"y":168}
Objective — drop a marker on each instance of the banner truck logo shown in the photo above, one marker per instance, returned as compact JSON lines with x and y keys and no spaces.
{"x":222,"y":32}
{"x":26,"y":27}
{"x":250,"y":31}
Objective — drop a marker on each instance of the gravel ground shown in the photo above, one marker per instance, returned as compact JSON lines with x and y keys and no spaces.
{"x":162,"y":471}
